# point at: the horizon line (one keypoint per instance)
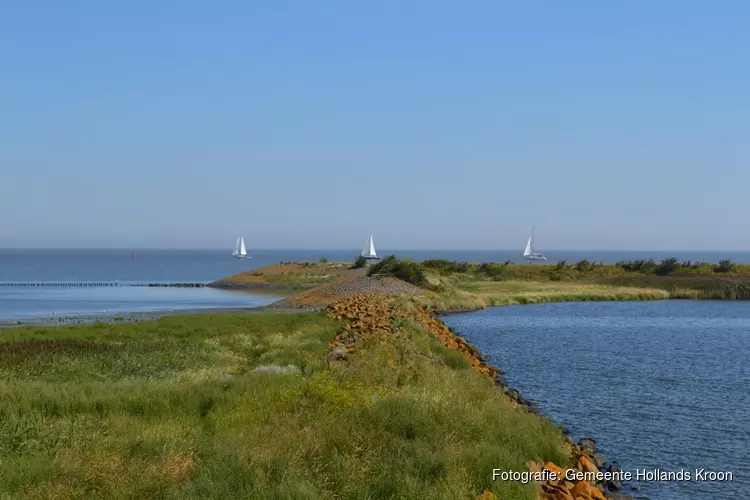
(341, 249)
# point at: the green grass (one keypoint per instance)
(461, 293)
(174, 408)
(565, 271)
(464, 286)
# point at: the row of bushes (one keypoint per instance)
(664, 268)
(672, 265)
(414, 272)
(509, 270)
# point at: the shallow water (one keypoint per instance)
(23, 304)
(660, 385)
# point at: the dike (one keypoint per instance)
(366, 315)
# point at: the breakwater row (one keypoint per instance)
(81, 284)
(67, 284)
(175, 285)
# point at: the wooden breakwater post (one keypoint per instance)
(61, 284)
(79, 284)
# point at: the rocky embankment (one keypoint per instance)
(373, 314)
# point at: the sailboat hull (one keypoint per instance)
(535, 257)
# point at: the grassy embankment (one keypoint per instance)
(183, 408)
(462, 286)
(289, 275)
(457, 286)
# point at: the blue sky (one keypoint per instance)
(431, 124)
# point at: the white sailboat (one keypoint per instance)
(369, 251)
(240, 252)
(529, 253)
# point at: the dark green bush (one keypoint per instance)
(561, 265)
(667, 266)
(584, 265)
(637, 266)
(447, 266)
(491, 270)
(359, 263)
(725, 266)
(403, 269)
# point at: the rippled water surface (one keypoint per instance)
(660, 385)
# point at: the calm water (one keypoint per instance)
(659, 385)
(165, 266)
(19, 304)
(209, 265)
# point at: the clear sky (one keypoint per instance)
(607, 125)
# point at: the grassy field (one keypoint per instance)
(208, 407)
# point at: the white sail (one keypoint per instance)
(530, 253)
(239, 248)
(369, 250)
(529, 247)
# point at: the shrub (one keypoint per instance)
(584, 266)
(490, 270)
(403, 269)
(447, 266)
(725, 266)
(560, 266)
(359, 263)
(667, 266)
(637, 266)
(323, 260)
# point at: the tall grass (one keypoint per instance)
(463, 286)
(177, 408)
(724, 287)
(467, 294)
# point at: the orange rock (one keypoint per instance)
(554, 468)
(557, 492)
(586, 465)
(486, 495)
(583, 490)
